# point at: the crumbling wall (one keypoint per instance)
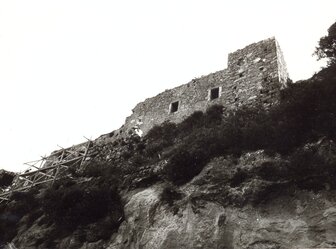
(255, 74)
(191, 96)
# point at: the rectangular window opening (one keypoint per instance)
(214, 93)
(174, 107)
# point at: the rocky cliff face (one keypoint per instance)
(212, 215)
(304, 220)
(232, 203)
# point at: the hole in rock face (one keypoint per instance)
(240, 61)
(174, 107)
(238, 178)
(214, 93)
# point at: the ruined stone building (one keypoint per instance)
(255, 74)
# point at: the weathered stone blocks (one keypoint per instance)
(255, 74)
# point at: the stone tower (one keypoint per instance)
(255, 74)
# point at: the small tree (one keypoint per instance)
(6, 178)
(327, 46)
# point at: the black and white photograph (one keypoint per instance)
(158, 124)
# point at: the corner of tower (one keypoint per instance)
(282, 66)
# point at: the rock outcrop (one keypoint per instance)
(212, 214)
(231, 204)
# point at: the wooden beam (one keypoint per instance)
(26, 179)
(71, 161)
(41, 169)
(72, 152)
(63, 160)
(40, 172)
(2, 196)
(40, 177)
(57, 170)
(86, 152)
(36, 161)
(4, 199)
(27, 187)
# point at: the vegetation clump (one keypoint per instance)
(72, 205)
(6, 178)
(307, 112)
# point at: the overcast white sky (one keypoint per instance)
(74, 68)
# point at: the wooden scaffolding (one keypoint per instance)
(48, 169)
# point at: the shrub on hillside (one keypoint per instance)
(160, 137)
(307, 112)
(96, 168)
(192, 153)
(214, 115)
(23, 202)
(309, 170)
(6, 178)
(184, 164)
(166, 130)
(195, 120)
(77, 205)
(8, 227)
(20, 204)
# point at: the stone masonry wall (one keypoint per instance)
(254, 74)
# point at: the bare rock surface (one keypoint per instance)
(202, 220)
(303, 220)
